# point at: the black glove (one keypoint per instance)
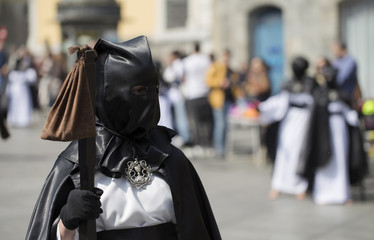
(81, 205)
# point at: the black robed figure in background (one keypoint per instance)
(288, 115)
(149, 189)
(337, 158)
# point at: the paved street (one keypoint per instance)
(237, 190)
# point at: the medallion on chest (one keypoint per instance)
(138, 173)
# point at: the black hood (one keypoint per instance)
(330, 73)
(299, 67)
(127, 87)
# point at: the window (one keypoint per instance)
(176, 13)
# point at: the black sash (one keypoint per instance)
(336, 113)
(166, 231)
(299, 105)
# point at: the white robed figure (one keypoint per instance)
(332, 179)
(331, 183)
(292, 108)
(294, 111)
(20, 101)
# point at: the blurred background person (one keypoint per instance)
(320, 63)
(221, 97)
(320, 130)
(291, 112)
(337, 151)
(44, 71)
(196, 91)
(3, 56)
(3, 82)
(173, 75)
(346, 66)
(29, 60)
(328, 189)
(20, 112)
(58, 73)
(166, 116)
(52, 71)
(257, 82)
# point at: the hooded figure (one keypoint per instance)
(300, 82)
(288, 115)
(127, 87)
(145, 187)
(337, 157)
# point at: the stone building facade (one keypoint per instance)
(277, 30)
(14, 15)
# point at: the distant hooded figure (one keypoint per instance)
(145, 187)
(288, 116)
(20, 113)
(337, 158)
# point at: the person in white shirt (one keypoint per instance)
(196, 92)
(173, 75)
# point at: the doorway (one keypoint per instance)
(266, 42)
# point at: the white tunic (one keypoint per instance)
(166, 118)
(195, 68)
(173, 75)
(125, 206)
(331, 185)
(292, 135)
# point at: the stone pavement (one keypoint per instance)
(237, 190)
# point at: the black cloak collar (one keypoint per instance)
(114, 151)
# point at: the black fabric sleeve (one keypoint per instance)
(52, 197)
(195, 219)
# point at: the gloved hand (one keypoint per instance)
(81, 205)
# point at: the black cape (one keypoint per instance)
(193, 212)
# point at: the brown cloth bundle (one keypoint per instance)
(72, 115)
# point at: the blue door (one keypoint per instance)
(267, 39)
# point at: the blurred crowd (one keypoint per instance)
(198, 92)
(28, 83)
(310, 128)
(314, 136)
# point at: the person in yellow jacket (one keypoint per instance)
(220, 80)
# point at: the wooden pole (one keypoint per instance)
(87, 152)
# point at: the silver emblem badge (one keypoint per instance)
(138, 173)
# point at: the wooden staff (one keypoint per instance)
(87, 151)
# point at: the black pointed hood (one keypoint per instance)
(127, 87)
(299, 67)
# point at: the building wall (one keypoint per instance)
(309, 27)
(13, 15)
(137, 18)
(44, 27)
(357, 31)
(199, 28)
